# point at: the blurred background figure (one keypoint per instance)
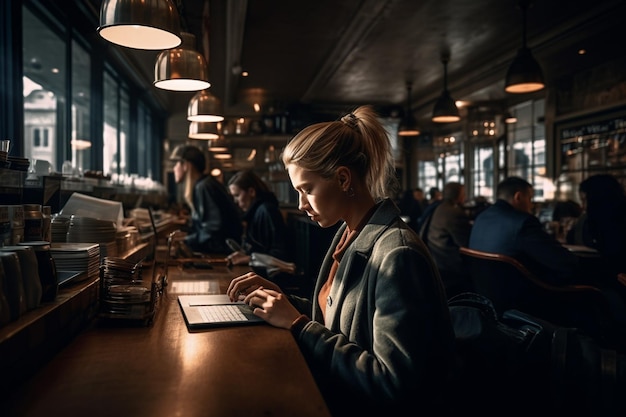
(434, 195)
(214, 215)
(418, 194)
(449, 228)
(410, 208)
(602, 224)
(265, 230)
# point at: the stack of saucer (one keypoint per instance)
(19, 164)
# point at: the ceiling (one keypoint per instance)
(330, 56)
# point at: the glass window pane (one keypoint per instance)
(110, 127)
(81, 95)
(44, 57)
(124, 133)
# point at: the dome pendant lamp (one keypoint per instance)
(182, 68)
(203, 130)
(445, 110)
(204, 107)
(140, 24)
(524, 74)
(408, 126)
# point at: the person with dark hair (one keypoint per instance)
(377, 333)
(214, 215)
(602, 225)
(509, 227)
(410, 208)
(265, 228)
(434, 195)
(447, 230)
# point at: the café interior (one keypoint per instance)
(92, 106)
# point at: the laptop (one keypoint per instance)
(215, 310)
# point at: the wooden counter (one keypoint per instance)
(118, 369)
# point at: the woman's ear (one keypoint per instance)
(344, 176)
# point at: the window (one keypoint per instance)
(45, 86)
(81, 99)
(111, 126)
(527, 144)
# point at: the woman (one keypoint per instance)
(214, 215)
(265, 228)
(602, 224)
(377, 333)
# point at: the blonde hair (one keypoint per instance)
(357, 141)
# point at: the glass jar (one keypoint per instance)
(33, 222)
(47, 269)
(13, 286)
(46, 223)
(16, 215)
(30, 273)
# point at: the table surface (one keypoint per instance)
(165, 370)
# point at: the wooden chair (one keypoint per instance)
(510, 285)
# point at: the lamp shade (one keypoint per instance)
(445, 110)
(203, 130)
(509, 118)
(204, 107)
(182, 68)
(408, 126)
(524, 74)
(140, 24)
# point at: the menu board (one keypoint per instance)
(593, 145)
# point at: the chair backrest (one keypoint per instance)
(509, 284)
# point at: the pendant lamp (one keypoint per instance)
(140, 24)
(203, 130)
(509, 118)
(204, 107)
(524, 74)
(445, 110)
(408, 126)
(182, 68)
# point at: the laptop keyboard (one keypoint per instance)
(190, 287)
(221, 313)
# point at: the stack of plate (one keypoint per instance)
(123, 294)
(59, 225)
(19, 164)
(79, 257)
(119, 271)
(87, 229)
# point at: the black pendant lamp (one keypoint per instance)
(445, 110)
(182, 68)
(408, 125)
(524, 74)
(140, 24)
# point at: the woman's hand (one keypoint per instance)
(245, 284)
(272, 306)
(238, 258)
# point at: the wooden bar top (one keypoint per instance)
(163, 370)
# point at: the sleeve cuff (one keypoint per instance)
(298, 324)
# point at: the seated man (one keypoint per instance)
(448, 229)
(509, 227)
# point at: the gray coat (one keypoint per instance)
(387, 340)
